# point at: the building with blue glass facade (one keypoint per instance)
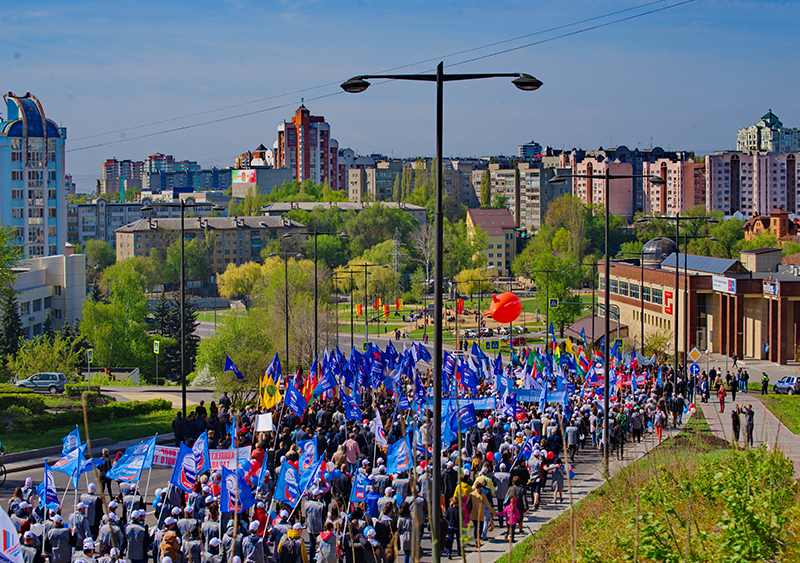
(32, 198)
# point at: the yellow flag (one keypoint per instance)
(569, 347)
(270, 392)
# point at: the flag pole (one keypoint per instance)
(236, 478)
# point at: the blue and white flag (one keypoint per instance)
(274, 369)
(72, 462)
(287, 488)
(326, 383)
(310, 476)
(230, 366)
(351, 409)
(543, 397)
(228, 501)
(377, 428)
(136, 458)
(478, 353)
(399, 457)
(423, 353)
(467, 417)
(308, 453)
(527, 448)
(402, 401)
(10, 551)
(46, 490)
(294, 400)
(184, 475)
(469, 377)
(71, 442)
(418, 445)
(359, 491)
(201, 454)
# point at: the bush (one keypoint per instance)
(10, 388)
(31, 402)
(77, 390)
(16, 411)
(114, 411)
(409, 297)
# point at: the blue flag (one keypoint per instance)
(294, 400)
(467, 416)
(359, 490)
(326, 383)
(46, 490)
(551, 329)
(423, 353)
(399, 456)
(201, 455)
(543, 397)
(351, 409)
(71, 463)
(310, 476)
(287, 488)
(402, 401)
(527, 448)
(228, 501)
(230, 366)
(274, 369)
(184, 475)
(71, 442)
(308, 453)
(469, 378)
(136, 458)
(583, 334)
(478, 353)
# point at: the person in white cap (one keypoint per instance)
(28, 489)
(79, 524)
(292, 548)
(170, 525)
(87, 554)
(187, 524)
(22, 515)
(28, 549)
(132, 501)
(112, 556)
(212, 554)
(387, 500)
(280, 528)
(94, 508)
(315, 517)
(382, 480)
(253, 545)
(57, 542)
(192, 546)
(110, 534)
(138, 537)
(210, 526)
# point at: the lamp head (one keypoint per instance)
(273, 254)
(344, 235)
(217, 208)
(286, 235)
(527, 83)
(355, 85)
(657, 180)
(559, 180)
(147, 207)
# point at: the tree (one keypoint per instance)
(239, 281)
(424, 240)
(569, 213)
(765, 239)
(10, 254)
(96, 294)
(486, 188)
(729, 235)
(500, 201)
(10, 325)
(47, 327)
(161, 317)
(374, 224)
(196, 258)
(462, 249)
(41, 354)
(99, 254)
(473, 281)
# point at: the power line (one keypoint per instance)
(473, 59)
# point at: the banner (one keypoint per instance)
(167, 456)
(480, 403)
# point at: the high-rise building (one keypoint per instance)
(753, 183)
(530, 151)
(685, 187)
(32, 198)
(305, 146)
(769, 135)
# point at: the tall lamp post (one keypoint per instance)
(358, 84)
(183, 205)
(315, 233)
(607, 177)
(286, 294)
(351, 306)
(366, 315)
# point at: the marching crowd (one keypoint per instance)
(494, 473)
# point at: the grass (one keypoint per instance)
(786, 408)
(142, 426)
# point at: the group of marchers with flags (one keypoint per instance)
(334, 462)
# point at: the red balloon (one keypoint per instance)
(423, 463)
(490, 456)
(550, 455)
(491, 421)
(505, 308)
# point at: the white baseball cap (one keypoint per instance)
(57, 519)
(88, 544)
(112, 505)
(169, 520)
(166, 559)
(210, 499)
(214, 541)
(284, 514)
(28, 535)
(176, 510)
(92, 487)
(189, 509)
(24, 504)
(253, 526)
(80, 506)
(298, 526)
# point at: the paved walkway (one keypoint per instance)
(767, 428)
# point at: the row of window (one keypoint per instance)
(627, 289)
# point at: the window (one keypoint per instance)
(24, 308)
(614, 284)
(658, 296)
(646, 293)
(16, 194)
(48, 302)
(16, 175)
(37, 305)
(57, 289)
(623, 288)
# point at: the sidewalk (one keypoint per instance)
(588, 477)
(767, 428)
(754, 368)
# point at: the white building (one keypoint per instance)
(769, 135)
(54, 285)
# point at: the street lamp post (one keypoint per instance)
(358, 84)
(606, 177)
(183, 205)
(351, 308)
(315, 233)
(366, 315)
(286, 295)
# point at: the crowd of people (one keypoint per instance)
(494, 473)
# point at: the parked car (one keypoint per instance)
(515, 341)
(487, 332)
(520, 329)
(51, 382)
(789, 385)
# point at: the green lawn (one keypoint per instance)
(786, 408)
(123, 429)
(209, 315)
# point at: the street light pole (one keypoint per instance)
(357, 84)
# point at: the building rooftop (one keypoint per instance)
(586, 324)
(26, 118)
(212, 223)
(705, 265)
(492, 221)
(761, 250)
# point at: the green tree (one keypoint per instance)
(47, 327)
(473, 282)
(160, 318)
(765, 239)
(10, 254)
(196, 259)
(11, 325)
(374, 224)
(462, 250)
(99, 254)
(500, 201)
(729, 235)
(239, 281)
(43, 354)
(486, 189)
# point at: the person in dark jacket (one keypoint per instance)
(178, 429)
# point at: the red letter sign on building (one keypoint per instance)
(668, 302)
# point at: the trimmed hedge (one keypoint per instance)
(30, 401)
(6, 388)
(113, 411)
(77, 389)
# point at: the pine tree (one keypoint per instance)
(10, 325)
(161, 316)
(96, 294)
(47, 328)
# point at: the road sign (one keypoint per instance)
(618, 342)
(553, 303)
(155, 346)
(89, 353)
(366, 346)
(695, 355)
(694, 369)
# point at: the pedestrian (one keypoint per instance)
(735, 359)
(734, 386)
(659, 422)
(764, 382)
(453, 529)
(556, 473)
(292, 548)
(512, 518)
(178, 429)
(721, 394)
(735, 423)
(475, 505)
(749, 416)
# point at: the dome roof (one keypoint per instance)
(658, 249)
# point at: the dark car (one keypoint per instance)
(51, 382)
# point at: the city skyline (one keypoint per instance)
(106, 76)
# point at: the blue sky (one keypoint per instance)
(683, 78)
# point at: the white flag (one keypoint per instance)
(377, 429)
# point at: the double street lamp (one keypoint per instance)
(183, 205)
(285, 255)
(366, 267)
(358, 84)
(607, 177)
